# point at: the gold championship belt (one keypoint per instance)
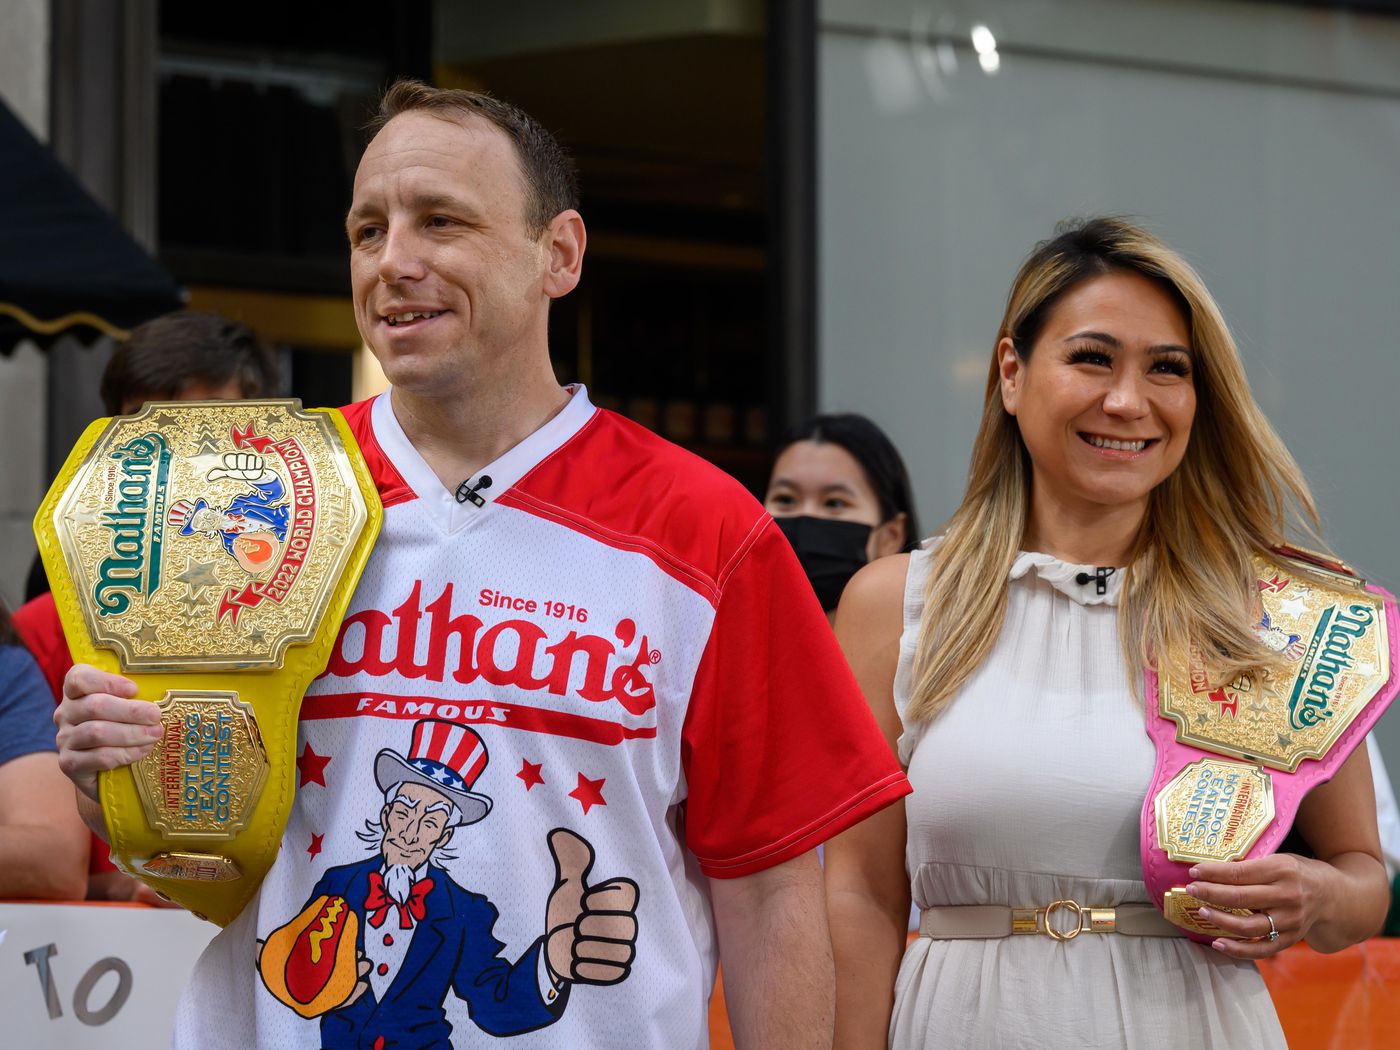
(1235, 761)
(207, 551)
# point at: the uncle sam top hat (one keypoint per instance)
(444, 756)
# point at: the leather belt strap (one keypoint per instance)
(1061, 920)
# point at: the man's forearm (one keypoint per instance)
(34, 864)
(779, 982)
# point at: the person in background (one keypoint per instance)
(43, 842)
(1118, 431)
(841, 495)
(185, 356)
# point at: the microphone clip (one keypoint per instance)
(469, 493)
(1099, 576)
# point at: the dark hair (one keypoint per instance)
(1082, 249)
(551, 183)
(875, 452)
(164, 357)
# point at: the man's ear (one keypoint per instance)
(564, 240)
(1012, 371)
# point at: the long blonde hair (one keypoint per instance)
(1189, 586)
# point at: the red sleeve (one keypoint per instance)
(780, 750)
(39, 627)
(42, 633)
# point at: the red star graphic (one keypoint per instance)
(530, 773)
(589, 793)
(312, 767)
(1227, 701)
(315, 846)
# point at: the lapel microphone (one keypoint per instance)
(1099, 576)
(466, 491)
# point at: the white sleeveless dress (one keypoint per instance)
(1027, 789)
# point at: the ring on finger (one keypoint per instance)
(1273, 930)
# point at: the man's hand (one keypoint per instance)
(592, 934)
(245, 466)
(101, 727)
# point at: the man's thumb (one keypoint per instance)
(573, 858)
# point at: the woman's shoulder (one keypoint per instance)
(878, 584)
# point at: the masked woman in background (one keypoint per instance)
(841, 495)
(1007, 661)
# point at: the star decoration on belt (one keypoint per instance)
(312, 767)
(208, 441)
(197, 575)
(1293, 606)
(164, 419)
(589, 792)
(530, 773)
(146, 634)
(84, 515)
(315, 846)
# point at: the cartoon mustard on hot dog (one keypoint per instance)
(430, 934)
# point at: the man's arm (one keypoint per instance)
(779, 983)
(43, 844)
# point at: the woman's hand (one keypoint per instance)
(1283, 887)
(1331, 902)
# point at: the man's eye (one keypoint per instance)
(366, 233)
(439, 222)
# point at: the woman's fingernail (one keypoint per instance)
(1218, 945)
(1191, 888)
(1195, 873)
(1204, 913)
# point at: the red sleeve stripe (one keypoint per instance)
(849, 813)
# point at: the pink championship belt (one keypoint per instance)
(1234, 762)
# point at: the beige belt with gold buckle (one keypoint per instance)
(1061, 920)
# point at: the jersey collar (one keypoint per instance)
(504, 471)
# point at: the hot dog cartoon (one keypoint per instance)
(380, 943)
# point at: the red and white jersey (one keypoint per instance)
(618, 642)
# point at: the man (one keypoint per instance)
(396, 982)
(620, 623)
(186, 356)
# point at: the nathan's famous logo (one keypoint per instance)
(1328, 658)
(267, 533)
(139, 477)
(511, 652)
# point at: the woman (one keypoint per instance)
(841, 495)
(1118, 433)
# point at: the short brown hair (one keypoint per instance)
(165, 356)
(551, 183)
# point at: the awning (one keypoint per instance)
(66, 265)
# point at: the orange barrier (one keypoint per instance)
(720, 1036)
(1348, 1000)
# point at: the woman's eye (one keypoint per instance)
(1172, 366)
(1089, 356)
(780, 499)
(836, 503)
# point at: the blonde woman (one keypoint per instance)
(1005, 663)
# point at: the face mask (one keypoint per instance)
(830, 551)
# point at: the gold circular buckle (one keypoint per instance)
(1073, 932)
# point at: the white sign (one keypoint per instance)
(94, 975)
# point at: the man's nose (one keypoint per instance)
(401, 258)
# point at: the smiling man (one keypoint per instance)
(659, 693)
